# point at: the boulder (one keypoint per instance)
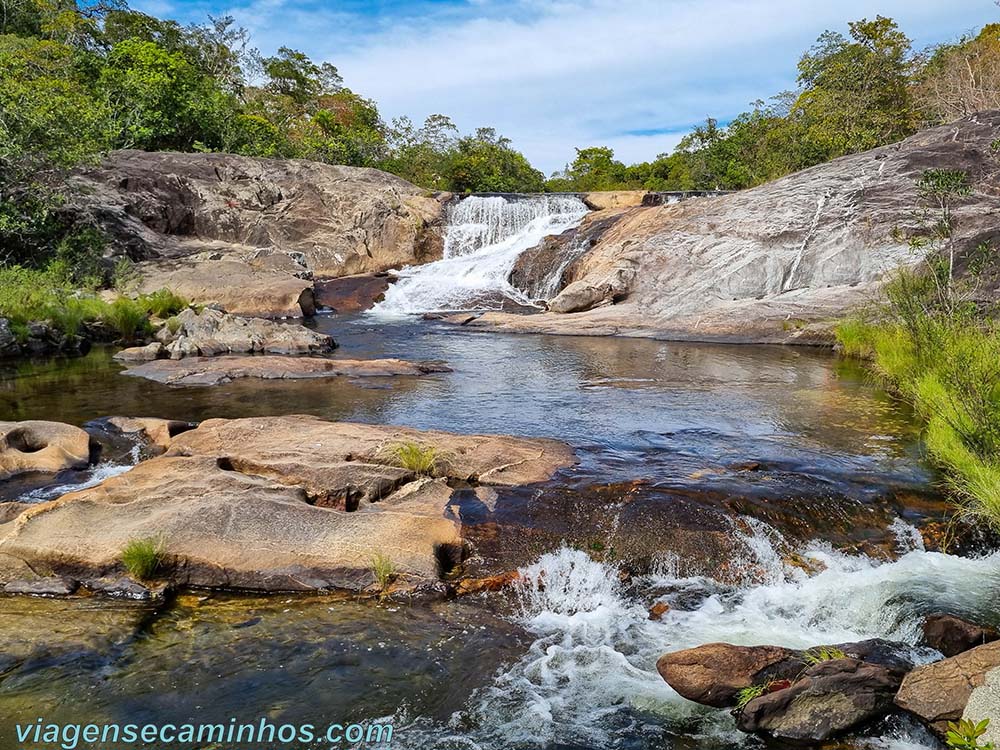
(151, 351)
(9, 345)
(591, 292)
(42, 446)
(938, 693)
(713, 674)
(352, 293)
(279, 503)
(203, 371)
(212, 332)
(154, 431)
(51, 586)
(829, 699)
(952, 635)
(247, 233)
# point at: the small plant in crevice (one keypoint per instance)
(384, 571)
(822, 653)
(965, 734)
(415, 457)
(747, 694)
(143, 558)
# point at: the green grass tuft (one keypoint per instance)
(142, 558)
(821, 654)
(415, 457)
(384, 571)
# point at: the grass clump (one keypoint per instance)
(143, 558)
(822, 653)
(747, 694)
(383, 570)
(163, 303)
(415, 457)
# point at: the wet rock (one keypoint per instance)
(153, 430)
(658, 610)
(938, 693)
(52, 586)
(828, 700)
(42, 446)
(952, 635)
(352, 293)
(122, 587)
(714, 674)
(205, 371)
(211, 332)
(238, 505)
(468, 586)
(151, 351)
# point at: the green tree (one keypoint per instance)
(485, 162)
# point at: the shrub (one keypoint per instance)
(163, 303)
(142, 558)
(128, 318)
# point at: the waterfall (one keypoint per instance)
(484, 236)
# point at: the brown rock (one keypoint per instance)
(658, 610)
(713, 674)
(41, 446)
(952, 635)
(218, 370)
(830, 699)
(145, 353)
(157, 432)
(605, 199)
(938, 693)
(11, 510)
(468, 586)
(352, 293)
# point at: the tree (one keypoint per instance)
(962, 78)
(292, 74)
(485, 162)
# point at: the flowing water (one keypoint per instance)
(767, 494)
(483, 239)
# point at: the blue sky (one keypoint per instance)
(631, 74)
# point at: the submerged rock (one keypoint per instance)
(828, 699)
(219, 370)
(42, 446)
(952, 635)
(938, 693)
(280, 503)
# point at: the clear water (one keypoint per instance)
(834, 470)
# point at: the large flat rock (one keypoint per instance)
(219, 370)
(281, 503)
(776, 263)
(41, 446)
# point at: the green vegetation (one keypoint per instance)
(143, 558)
(415, 457)
(50, 297)
(937, 344)
(383, 570)
(822, 653)
(744, 696)
(965, 734)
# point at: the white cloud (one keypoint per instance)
(554, 75)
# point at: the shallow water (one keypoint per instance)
(794, 446)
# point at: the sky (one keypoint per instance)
(635, 75)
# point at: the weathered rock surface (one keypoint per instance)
(220, 370)
(281, 503)
(713, 674)
(938, 693)
(984, 703)
(952, 635)
(829, 699)
(352, 293)
(9, 345)
(604, 199)
(155, 431)
(41, 446)
(774, 263)
(224, 220)
(210, 332)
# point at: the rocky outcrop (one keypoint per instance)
(715, 673)
(984, 703)
(42, 446)
(218, 370)
(247, 233)
(280, 503)
(774, 263)
(938, 693)
(952, 635)
(210, 332)
(828, 699)
(154, 431)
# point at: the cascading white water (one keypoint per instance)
(483, 238)
(589, 676)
